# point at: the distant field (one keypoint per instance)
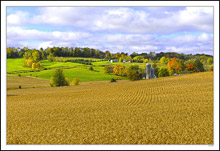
(169, 110)
(16, 64)
(83, 73)
(49, 64)
(95, 59)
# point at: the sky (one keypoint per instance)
(187, 30)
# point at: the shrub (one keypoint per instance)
(108, 69)
(67, 81)
(19, 86)
(51, 82)
(58, 78)
(211, 68)
(91, 68)
(132, 75)
(19, 74)
(113, 80)
(75, 81)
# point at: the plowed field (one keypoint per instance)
(170, 110)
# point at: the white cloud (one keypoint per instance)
(204, 37)
(121, 19)
(115, 28)
(18, 33)
(201, 18)
(18, 18)
(45, 44)
(124, 39)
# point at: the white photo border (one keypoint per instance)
(4, 5)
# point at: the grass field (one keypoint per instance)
(82, 72)
(16, 64)
(48, 64)
(170, 110)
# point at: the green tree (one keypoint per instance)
(163, 60)
(163, 72)
(120, 59)
(210, 61)
(50, 57)
(58, 79)
(199, 65)
(146, 60)
(108, 69)
(137, 58)
(132, 75)
(36, 56)
(135, 73)
(129, 58)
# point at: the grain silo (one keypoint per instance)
(152, 73)
(148, 71)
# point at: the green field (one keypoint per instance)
(83, 73)
(78, 70)
(48, 64)
(16, 64)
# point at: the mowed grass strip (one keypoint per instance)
(170, 110)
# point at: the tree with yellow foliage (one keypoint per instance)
(119, 70)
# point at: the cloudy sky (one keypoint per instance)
(117, 29)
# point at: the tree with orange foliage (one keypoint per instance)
(119, 70)
(174, 65)
(192, 68)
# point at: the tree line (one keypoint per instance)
(86, 52)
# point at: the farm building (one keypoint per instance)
(113, 60)
(149, 71)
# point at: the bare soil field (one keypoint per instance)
(169, 110)
(26, 82)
